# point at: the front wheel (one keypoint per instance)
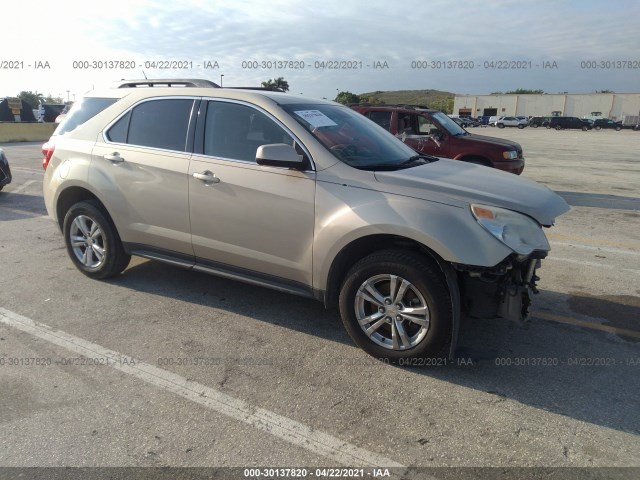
(93, 242)
(500, 125)
(521, 126)
(396, 305)
(584, 129)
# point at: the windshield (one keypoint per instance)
(452, 127)
(352, 138)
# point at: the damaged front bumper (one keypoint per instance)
(504, 290)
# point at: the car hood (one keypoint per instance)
(472, 137)
(471, 183)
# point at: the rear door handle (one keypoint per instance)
(206, 176)
(114, 157)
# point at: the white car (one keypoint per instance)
(512, 122)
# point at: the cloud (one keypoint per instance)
(230, 33)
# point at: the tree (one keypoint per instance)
(445, 105)
(33, 99)
(51, 99)
(521, 91)
(278, 83)
(347, 97)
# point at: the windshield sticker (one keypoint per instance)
(316, 118)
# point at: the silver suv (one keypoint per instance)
(300, 195)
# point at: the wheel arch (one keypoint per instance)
(72, 195)
(364, 246)
(361, 247)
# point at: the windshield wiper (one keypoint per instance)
(404, 164)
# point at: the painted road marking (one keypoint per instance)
(30, 170)
(595, 247)
(594, 264)
(22, 187)
(583, 323)
(295, 433)
(564, 239)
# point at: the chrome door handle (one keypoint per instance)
(206, 176)
(114, 157)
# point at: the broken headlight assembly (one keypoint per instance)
(520, 233)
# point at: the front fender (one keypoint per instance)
(345, 214)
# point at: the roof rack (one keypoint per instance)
(167, 82)
(268, 89)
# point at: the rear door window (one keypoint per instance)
(156, 123)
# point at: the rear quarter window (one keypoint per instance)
(82, 111)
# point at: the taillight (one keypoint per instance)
(47, 151)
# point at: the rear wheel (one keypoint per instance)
(396, 305)
(618, 128)
(93, 242)
(585, 128)
(558, 127)
(501, 125)
(597, 128)
(520, 126)
(535, 125)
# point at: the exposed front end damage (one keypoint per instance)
(504, 290)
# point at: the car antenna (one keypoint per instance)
(143, 74)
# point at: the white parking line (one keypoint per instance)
(594, 247)
(594, 264)
(23, 187)
(296, 433)
(30, 170)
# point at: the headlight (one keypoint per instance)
(510, 155)
(517, 231)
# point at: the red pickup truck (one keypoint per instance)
(434, 133)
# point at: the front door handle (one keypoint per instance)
(114, 157)
(206, 176)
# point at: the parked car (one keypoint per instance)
(524, 119)
(301, 195)
(5, 171)
(492, 121)
(434, 133)
(607, 123)
(561, 123)
(536, 122)
(511, 122)
(466, 122)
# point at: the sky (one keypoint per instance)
(65, 48)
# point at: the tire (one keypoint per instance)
(597, 128)
(500, 125)
(618, 129)
(419, 285)
(584, 129)
(535, 125)
(558, 127)
(520, 126)
(96, 249)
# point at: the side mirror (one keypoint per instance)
(435, 133)
(279, 155)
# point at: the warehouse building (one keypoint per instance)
(612, 105)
